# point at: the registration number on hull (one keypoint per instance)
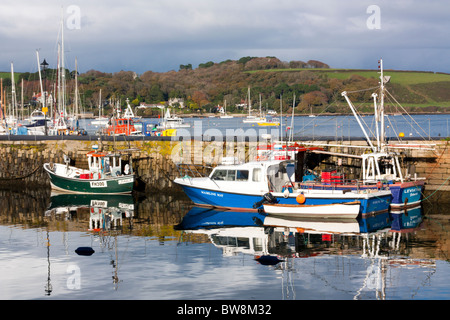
(98, 184)
(129, 180)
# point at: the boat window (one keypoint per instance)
(257, 244)
(231, 175)
(224, 241)
(241, 175)
(256, 174)
(219, 175)
(243, 242)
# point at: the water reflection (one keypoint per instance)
(278, 241)
(347, 259)
(259, 234)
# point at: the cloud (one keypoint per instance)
(160, 35)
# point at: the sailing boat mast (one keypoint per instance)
(13, 111)
(75, 113)
(63, 71)
(249, 102)
(382, 89)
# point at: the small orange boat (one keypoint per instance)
(121, 127)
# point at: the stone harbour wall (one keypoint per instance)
(154, 162)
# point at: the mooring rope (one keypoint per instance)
(20, 177)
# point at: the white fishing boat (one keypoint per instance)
(334, 210)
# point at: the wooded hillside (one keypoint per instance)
(316, 87)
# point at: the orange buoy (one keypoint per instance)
(300, 198)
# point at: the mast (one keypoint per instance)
(292, 121)
(382, 131)
(100, 111)
(2, 111)
(260, 111)
(21, 98)
(281, 118)
(75, 113)
(13, 111)
(58, 68)
(63, 71)
(377, 119)
(249, 102)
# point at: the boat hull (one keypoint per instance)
(110, 185)
(406, 194)
(369, 202)
(337, 210)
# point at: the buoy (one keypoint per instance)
(401, 134)
(268, 260)
(84, 251)
(300, 198)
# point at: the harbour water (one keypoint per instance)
(160, 247)
(316, 128)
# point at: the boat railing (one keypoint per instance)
(193, 170)
(343, 184)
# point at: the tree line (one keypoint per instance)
(211, 84)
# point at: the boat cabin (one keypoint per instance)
(261, 175)
(106, 164)
(121, 127)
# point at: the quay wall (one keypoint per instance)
(154, 161)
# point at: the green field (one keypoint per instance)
(399, 77)
(414, 88)
(7, 75)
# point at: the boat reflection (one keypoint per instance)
(233, 232)
(106, 212)
(280, 241)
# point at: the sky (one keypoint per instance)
(160, 35)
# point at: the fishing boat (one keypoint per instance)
(334, 210)
(246, 186)
(380, 165)
(121, 127)
(103, 176)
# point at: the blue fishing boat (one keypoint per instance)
(249, 185)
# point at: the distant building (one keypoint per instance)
(146, 105)
(173, 101)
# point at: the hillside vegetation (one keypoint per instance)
(315, 86)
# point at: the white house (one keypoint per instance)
(180, 101)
